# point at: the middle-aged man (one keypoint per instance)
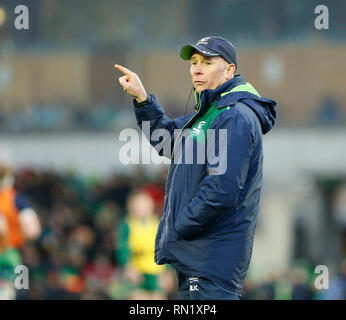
(207, 230)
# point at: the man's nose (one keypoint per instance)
(197, 69)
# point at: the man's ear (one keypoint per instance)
(230, 70)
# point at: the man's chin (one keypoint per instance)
(199, 89)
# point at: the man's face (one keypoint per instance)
(209, 72)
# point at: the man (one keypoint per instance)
(18, 223)
(210, 213)
(135, 246)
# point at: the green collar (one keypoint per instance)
(243, 87)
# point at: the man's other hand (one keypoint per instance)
(132, 84)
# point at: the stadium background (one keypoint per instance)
(61, 112)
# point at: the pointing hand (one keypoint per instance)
(132, 84)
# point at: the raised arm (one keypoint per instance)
(151, 115)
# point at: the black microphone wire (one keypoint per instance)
(187, 103)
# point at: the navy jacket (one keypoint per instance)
(211, 208)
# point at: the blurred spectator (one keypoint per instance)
(268, 287)
(135, 247)
(337, 288)
(329, 112)
(301, 289)
(19, 223)
(340, 206)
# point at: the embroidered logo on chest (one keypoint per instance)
(197, 130)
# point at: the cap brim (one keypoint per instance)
(186, 51)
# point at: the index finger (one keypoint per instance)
(122, 69)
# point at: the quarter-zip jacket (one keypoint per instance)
(211, 208)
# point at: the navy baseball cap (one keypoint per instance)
(211, 47)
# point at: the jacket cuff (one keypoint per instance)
(150, 111)
(140, 104)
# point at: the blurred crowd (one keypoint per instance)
(64, 115)
(114, 115)
(299, 282)
(86, 249)
(78, 253)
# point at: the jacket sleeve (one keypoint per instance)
(157, 126)
(221, 187)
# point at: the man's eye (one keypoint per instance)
(194, 63)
